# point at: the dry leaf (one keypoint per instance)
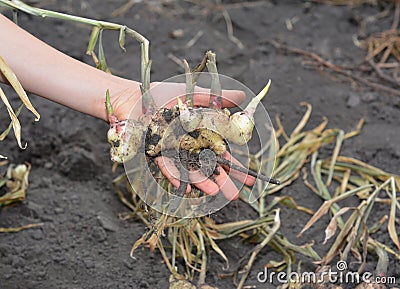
(331, 229)
(14, 119)
(392, 217)
(12, 79)
(10, 126)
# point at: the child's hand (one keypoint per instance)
(127, 102)
(127, 105)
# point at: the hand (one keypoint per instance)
(165, 95)
(222, 182)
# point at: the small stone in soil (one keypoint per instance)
(48, 165)
(369, 97)
(59, 210)
(46, 182)
(75, 199)
(128, 264)
(89, 263)
(37, 234)
(58, 258)
(353, 100)
(18, 262)
(99, 234)
(106, 223)
(41, 274)
(7, 276)
(144, 284)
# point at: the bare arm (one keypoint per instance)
(47, 72)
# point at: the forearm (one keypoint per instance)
(49, 73)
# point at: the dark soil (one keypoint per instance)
(83, 243)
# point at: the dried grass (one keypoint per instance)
(15, 124)
(352, 3)
(15, 184)
(15, 181)
(184, 240)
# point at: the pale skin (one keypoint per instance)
(49, 73)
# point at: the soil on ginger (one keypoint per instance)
(83, 243)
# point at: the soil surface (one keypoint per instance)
(83, 243)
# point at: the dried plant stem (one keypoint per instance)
(190, 85)
(232, 166)
(229, 27)
(396, 17)
(123, 9)
(337, 69)
(192, 77)
(194, 40)
(199, 68)
(259, 247)
(14, 119)
(18, 229)
(203, 270)
(216, 90)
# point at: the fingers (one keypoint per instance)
(230, 98)
(222, 182)
(170, 171)
(203, 183)
(165, 94)
(226, 185)
(241, 177)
